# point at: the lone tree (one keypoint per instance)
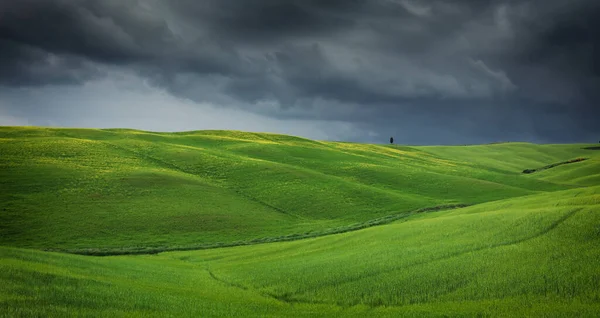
(391, 140)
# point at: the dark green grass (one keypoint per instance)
(128, 190)
(554, 165)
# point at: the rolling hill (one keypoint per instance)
(527, 244)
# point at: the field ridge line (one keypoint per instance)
(284, 238)
(529, 171)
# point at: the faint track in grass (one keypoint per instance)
(286, 297)
(228, 283)
(552, 226)
(285, 238)
(289, 296)
(171, 166)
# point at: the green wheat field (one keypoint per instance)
(118, 222)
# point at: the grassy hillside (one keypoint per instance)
(126, 190)
(377, 230)
(531, 256)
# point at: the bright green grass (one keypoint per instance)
(537, 255)
(580, 173)
(124, 190)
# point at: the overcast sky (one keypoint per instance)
(425, 72)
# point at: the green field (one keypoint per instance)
(244, 224)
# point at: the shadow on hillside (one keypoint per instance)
(527, 171)
(592, 148)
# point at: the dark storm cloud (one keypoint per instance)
(563, 53)
(26, 65)
(269, 20)
(482, 70)
(112, 32)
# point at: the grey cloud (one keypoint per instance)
(506, 84)
(26, 65)
(487, 68)
(416, 9)
(107, 31)
(110, 32)
(269, 20)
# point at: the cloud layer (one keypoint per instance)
(423, 71)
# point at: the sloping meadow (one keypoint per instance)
(352, 229)
(537, 255)
(123, 191)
